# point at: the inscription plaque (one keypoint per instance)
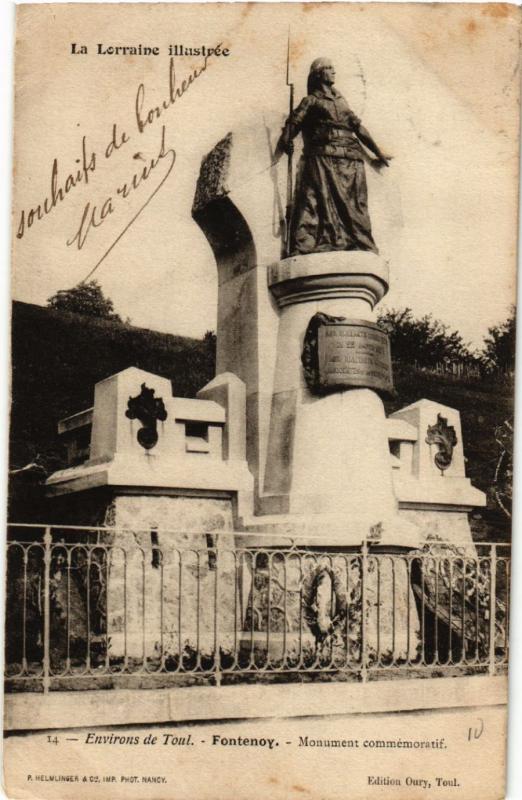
(354, 353)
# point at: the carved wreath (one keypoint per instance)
(148, 409)
(444, 437)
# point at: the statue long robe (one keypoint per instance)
(330, 207)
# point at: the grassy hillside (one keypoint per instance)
(58, 357)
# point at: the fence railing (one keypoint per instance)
(105, 607)
(457, 370)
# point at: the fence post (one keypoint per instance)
(492, 607)
(47, 609)
(217, 646)
(364, 646)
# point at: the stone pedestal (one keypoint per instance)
(327, 454)
(172, 507)
(165, 590)
(437, 500)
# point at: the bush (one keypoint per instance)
(499, 345)
(86, 298)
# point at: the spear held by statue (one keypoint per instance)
(289, 177)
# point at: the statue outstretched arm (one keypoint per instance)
(364, 136)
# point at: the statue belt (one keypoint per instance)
(352, 151)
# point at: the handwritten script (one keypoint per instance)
(152, 171)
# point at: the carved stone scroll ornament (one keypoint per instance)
(444, 437)
(310, 354)
(148, 409)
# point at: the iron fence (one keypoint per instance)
(105, 607)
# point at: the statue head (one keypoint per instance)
(321, 71)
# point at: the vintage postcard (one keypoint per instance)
(263, 344)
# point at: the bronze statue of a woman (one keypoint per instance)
(330, 205)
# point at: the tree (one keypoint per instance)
(499, 345)
(85, 298)
(425, 341)
(210, 340)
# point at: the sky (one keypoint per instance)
(437, 92)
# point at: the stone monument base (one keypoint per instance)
(332, 529)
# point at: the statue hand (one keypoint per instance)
(382, 161)
(277, 155)
(283, 147)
